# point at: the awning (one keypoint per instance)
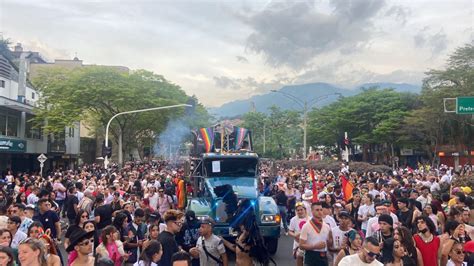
(18, 106)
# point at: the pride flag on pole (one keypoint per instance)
(207, 135)
(240, 134)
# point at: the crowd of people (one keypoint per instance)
(136, 215)
(405, 217)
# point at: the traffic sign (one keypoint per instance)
(465, 105)
(42, 158)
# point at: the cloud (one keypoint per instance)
(46, 51)
(242, 59)
(226, 83)
(251, 85)
(400, 13)
(293, 33)
(437, 42)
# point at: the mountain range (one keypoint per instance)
(308, 92)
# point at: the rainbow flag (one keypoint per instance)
(240, 134)
(207, 135)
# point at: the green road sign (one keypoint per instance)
(465, 105)
(12, 145)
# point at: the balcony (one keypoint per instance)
(56, 147)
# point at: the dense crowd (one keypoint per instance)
(136, 215)
(405, 217)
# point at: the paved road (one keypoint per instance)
(284, 255)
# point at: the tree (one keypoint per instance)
(371, 119)
(95, 94)
(429, 125)
(282, 131)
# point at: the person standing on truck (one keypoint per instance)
(209, 248)
(281, 201)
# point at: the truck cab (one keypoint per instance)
(239, 169)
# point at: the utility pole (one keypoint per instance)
(305, 105)
(264, 138)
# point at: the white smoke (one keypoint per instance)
(171, 143)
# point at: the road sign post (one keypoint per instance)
(42, 158)
(465, 105)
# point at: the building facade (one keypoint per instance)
(20, 142)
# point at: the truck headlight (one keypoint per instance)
(202, 217)
(271, 218)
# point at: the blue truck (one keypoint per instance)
(223, 165)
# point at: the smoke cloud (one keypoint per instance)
(170, 144)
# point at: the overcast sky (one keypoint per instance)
(226, 50)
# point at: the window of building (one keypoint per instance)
(71, 132)
(12, 126)
(9, 125)
(31, 131)
(3, 125)
(2, 83)
(33, 95)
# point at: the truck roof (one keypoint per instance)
(242, 154)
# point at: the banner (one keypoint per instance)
(207, 135)
(240, 134)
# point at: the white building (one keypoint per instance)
(20, 143)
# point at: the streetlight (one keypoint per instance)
(106, 159)
(305, 105)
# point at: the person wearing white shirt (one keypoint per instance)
(367, 255)
(446, 178)
(424, 198)
(18, 236)
(315, 237)
(366, 211)
(339, 235)
(32, 199)
(456, 255)
(294, 230)
(373, 223)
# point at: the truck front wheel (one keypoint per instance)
(272, 244)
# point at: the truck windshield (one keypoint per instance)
(231, 167)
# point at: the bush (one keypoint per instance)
(359, 167)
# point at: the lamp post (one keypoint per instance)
(305, 105)
(106, 159)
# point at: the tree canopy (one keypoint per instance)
(95, 94)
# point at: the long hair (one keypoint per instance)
(429, 223)
(6, 231)
(387, 250)
(78, 216)
(36, 244)
(107, 231)
(9, 252)
(245, 216)
(52, 248)
(147, 255)
(406, 238)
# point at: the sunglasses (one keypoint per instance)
(458, 252)
(178, 223)
(371, 254)
(87, 242)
